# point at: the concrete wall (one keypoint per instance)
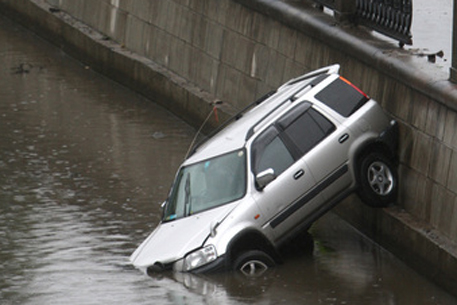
(236, 50)
(220, 46)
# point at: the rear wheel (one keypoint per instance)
(378, 180)
(253, 263)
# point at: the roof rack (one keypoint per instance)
(326, 70)
(293, 97)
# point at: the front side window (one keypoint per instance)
(207, 184)
(269, 151)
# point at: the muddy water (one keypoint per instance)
(84, 165)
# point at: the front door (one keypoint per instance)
(278, 201)
(292, 198)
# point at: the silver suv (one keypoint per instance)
(272, 171)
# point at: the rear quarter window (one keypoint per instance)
(342, 96)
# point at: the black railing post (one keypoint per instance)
(453, 71)
(345, 10)
(389, 17)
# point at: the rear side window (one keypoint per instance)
(343, 97)
(306, 130)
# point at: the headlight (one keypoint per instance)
(200, 257)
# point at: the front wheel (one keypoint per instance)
(378, 180)
(253, 263)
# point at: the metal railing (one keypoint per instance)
(389, 17)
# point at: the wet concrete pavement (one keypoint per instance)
(432, 28)
(432, 32)
(84, 165)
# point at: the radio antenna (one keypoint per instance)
(213, 110)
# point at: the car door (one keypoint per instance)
(328, 161)
(288, 200)
(324, 147)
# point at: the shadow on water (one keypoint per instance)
(84, 164)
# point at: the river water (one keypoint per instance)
(84, 165)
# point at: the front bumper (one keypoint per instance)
(218, 265)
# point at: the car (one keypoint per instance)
(271, 171)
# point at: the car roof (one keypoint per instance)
(241, 127)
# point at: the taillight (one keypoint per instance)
(355, 87)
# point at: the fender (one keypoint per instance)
(250, 239)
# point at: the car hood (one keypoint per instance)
(171, 241)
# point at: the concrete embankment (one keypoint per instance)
(186, 54)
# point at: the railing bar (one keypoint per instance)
(389, 17)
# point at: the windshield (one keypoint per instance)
(206, 185)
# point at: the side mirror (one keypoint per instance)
(264, 178)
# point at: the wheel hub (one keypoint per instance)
(254, 268)
(380, 178)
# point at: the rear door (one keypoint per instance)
(329, 162)
(323, 147)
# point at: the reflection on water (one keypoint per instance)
(84, 164)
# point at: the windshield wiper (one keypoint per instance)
(187, 197)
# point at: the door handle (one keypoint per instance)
(343, 138)
(298, 174)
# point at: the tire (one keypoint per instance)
(253, 263)
(378, 180)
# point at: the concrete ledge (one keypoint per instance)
(413, 241)
(357, 43)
